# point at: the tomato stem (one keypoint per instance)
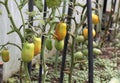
(2, 3)
(72, 60)
(8, 43)
(56, 61)
(21, 18)
(12, 21)
(43, 61)
(27, 73)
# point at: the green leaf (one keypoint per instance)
(33, 13)
(53, 3)
(38, 4)
(22, 3)
(0, 12)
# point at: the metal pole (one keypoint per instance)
(30, 8)
(104, 6)
(70, 11)
(41, 56)
(90, 42)
(104, 14)
(114, 5)
(1, 72)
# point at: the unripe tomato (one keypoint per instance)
(115, 80)
(78, 56)
(5, 55)
(80, 38)
(37, 44)
(27, 52)
(97, 51)
(95, 44)
(49, 44)
(59, 45)
(84, 46)
(85, 52)
(60, 31)
(85, 33)
(95, 19)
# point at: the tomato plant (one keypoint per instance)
(50, 31)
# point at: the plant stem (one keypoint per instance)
(72, 60)
(73, 45)
(20, 74)
(64, 9)
(43, 60)
(21, 18)
(12, 21)
(8, 43)
(56, 61)
(107, 26)
(27, 73)
(2, 3)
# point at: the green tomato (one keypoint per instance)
(27, 52)
(59, 45)
(97, 51)
(84, 46)
(5, 55)
(85, 52)
(49, 44)
(78, 56)
(95, 44)
(80, 38)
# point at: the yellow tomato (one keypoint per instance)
(85, 32)
(60, 31)
(95, 19)
(37, 44)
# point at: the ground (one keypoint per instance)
(106, 66)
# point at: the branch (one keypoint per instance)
(2, 3)
(13, 44)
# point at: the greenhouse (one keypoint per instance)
(60, 41)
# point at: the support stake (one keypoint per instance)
(70, 12)
(1, 72)
(41, 56)
(90, 42)
(30, 7)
